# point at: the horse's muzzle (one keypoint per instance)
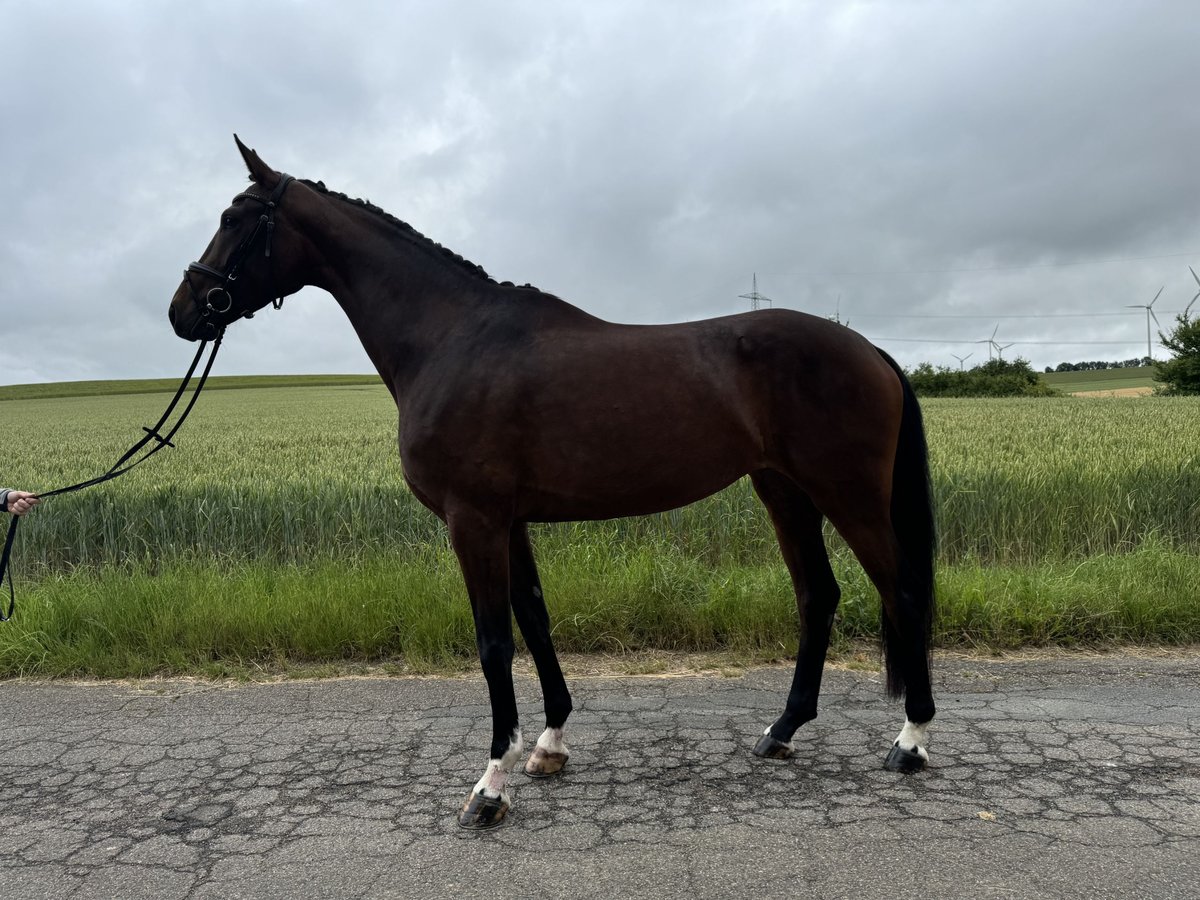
(192, 327)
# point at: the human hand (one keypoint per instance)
(21, 502)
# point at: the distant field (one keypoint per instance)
(1067, 382)
(160, 385)
(1101, 380)
(280, 530)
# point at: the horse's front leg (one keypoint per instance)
(482, 545)
(529, 606)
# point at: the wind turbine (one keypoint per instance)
(1000, 348)
(1197, 297)
(1149, 308)
(963, 359)
(991, 342)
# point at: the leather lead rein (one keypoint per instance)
(122, 465)
(264, 228)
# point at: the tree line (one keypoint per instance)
(1178, 375)
(1099, 365)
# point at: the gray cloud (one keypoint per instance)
(640, 160)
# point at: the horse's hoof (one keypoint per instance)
(481, 812)
(770, 748)
(544, 763)
(901, 760)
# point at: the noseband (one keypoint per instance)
(218, 300)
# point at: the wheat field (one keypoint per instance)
(293, 474)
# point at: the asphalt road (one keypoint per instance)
(1054, 778)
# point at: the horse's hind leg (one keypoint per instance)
(529, 607)
(798, 527)
(906, 630)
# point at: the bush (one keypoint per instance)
(1180, 375)
(994, 378)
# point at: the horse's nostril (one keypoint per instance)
(171, 314)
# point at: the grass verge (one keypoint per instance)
(247, 618)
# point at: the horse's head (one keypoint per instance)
(251, 260)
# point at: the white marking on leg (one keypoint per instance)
(913, 738)
(494, 782)
(552, 741)
(791, 745)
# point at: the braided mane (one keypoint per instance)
(411, 233)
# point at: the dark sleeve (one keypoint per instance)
(4, 499)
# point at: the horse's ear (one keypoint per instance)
(260, 172)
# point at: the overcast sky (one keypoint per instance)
(931, 170)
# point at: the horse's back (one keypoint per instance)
(596, 420)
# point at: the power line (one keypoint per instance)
(966, 341)
(1060, 265)
(988, 317)
(1079, 343)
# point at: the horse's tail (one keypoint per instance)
(916, 532)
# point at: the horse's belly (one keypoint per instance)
(624, 479)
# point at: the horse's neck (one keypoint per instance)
(402, 300)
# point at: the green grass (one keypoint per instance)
(1101, 379)
(226, 619)
(280, 532)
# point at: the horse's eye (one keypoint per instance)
(227, 222)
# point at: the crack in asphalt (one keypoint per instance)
(349, 788)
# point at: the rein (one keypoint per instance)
(122, 465)
(216, 301)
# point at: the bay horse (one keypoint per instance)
(517, 407)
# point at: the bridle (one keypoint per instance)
(218, 300)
